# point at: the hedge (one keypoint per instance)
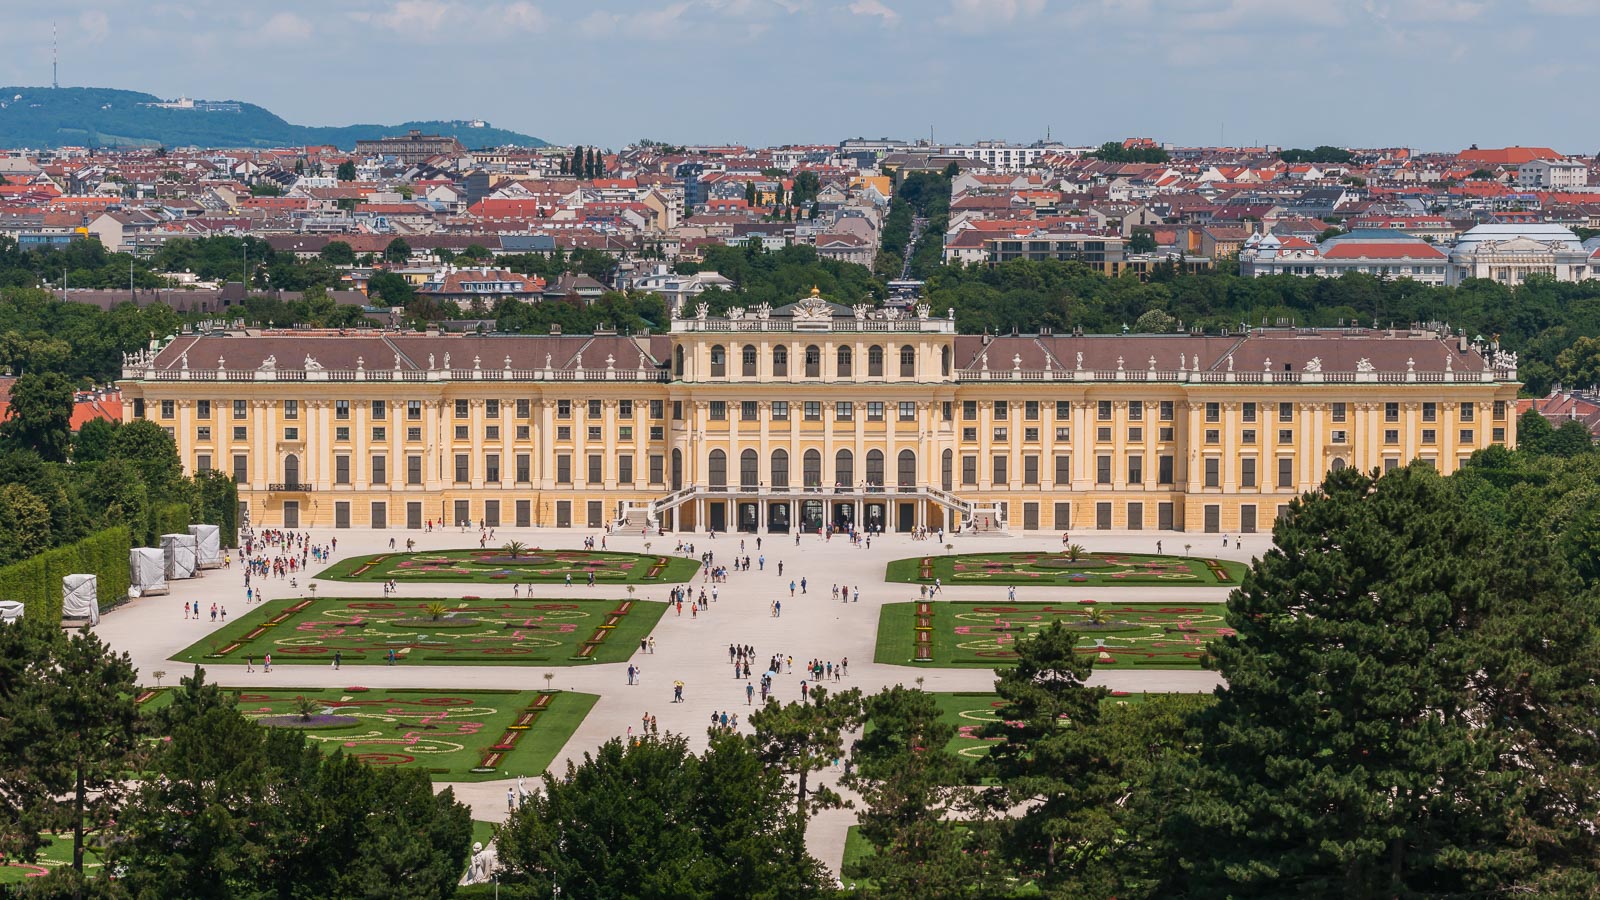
(171, 518)
(36, 581)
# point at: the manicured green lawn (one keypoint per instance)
(970, 713)
(984, 635)
(1055, 569)
(447, 733)
(57, 854)
(494, 566)
(471, 631)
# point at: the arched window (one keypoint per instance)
(813, 361)
(291, 469)
(1338, 463)
(748, 361)
(717, 471)
(908, 361)
(908, 468)
(677, 361)
(811, 468)
(780, 468)
(947, 470)
(780, 361)
(749, 469)
(875, 468)
(944, 360)
(844, 362)
(719, 361)
(844, 469)
(677, 469)
(874, 361)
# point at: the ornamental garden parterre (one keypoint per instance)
(1070, 568)
(495, 566)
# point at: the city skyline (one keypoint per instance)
(761, 72)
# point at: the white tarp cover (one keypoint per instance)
(80, 598)
(208, 549)
(10, 610)
(179, 552)
(147, 571)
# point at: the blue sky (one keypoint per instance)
(1433, 74)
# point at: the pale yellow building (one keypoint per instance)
(812, 413)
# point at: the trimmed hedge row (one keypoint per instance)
(36, 581)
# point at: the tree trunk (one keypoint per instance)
(77, 833)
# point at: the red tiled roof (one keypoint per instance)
(1382, 250)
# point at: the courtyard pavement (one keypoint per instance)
(693, 650)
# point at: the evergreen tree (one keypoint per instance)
(802, 738)
(346, 171)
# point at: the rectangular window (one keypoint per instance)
(1002, 409)
(491, 468)
(1391, 412)
(413, 470)
(1391, 436)
(1030, 410)
(748, 410)
(563, 468)
(491, 513)
(1164, 469)
(524, 513)
(380, 409)
(1285, 471)
(1063, 469)
(1103, 410)
(625, 468)
(1063, 516)
(380, 470)
(1430, 436)
(342, 433)
(1136, 469)
(1136, 410)
(1064, 433)
(1247, 436)
(463, 468)
(1213, 412)
(1247, 518)
(813, 410)
(1102, 434)
(1213, 472)
(413, 434)
(1338, 436)
(624, 432)
(1430, 412)
(1466, 436)
(595, 474)
(491, 409)
(241, 468)
(341, 409)
(1135, 435)
(946, 411)
(874, 411)
(563, 409)
(461, 409)
(491, 432)
(1285, 412)
(341, 469)
(202, 463)
(677, 410)
(239, 410)
(594, 409)
(1247, 412)
(969, 470)
(203, 433)
(1135, 516)
(1000, 434)
(1030, 470)
(969, 410)
(1102, 470)
(844, 411)
(169, 409)
(525, 408)
(461, 432)
(524, 468)
(413, 410)
(1337, 413)
(1030, 434)
(1166, 410)
(1063, 409)
(593, 432)
(1102, 516)
(969, 434)
(1466, 412)
(1001, 476)
(908, 410)
(523, 432)
(657, 468)
(291, 409)
(239, 432)
(780, 410)
(1285, 435)
(291, 434)
(719, 410)
(1213, 436)
(202, 409)
(1247, 472)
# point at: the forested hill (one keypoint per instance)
(103, 117)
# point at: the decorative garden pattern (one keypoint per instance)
(971, 713)
(465, 631)
(1062, 569)
(1116, 635)
(474, 735)
(496, 565)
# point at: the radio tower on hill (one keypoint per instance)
(55, 81)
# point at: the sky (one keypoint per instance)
(1427, 74)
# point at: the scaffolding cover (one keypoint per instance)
(179, 551)
(147, 571)
(80, 598)
(208, 549)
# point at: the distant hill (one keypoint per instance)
(103, 117)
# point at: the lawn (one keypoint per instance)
(1117, 635)
(474, 735)
(533, 566)
(1045, 569)
(467, 631)
(55, 855)
(970, 712)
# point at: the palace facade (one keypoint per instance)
(768, 420)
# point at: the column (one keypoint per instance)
(545, 444)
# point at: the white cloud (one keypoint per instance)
(285, 26)
(409, 15)
(524, 16)
(979, 15)
(875, 8)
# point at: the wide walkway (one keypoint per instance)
(693, 650)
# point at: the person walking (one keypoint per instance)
(749, 694)
(249, 663)
(338, 658)
(791, 587)
(266, 663)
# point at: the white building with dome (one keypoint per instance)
(1510, 254)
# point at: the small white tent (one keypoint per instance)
(80, 598)
(10, 611)
(179, 552)
(208, 545)
(147, 572)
